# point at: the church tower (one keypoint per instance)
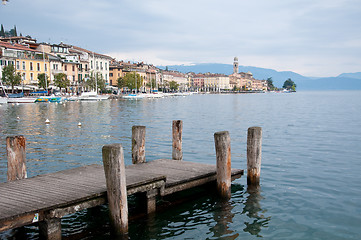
(235, 65)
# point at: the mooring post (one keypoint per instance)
(16, 153)
(222, 142)
(151, 200)
(177, 129)
(254, 155)
(50, 229)
(138, 144)
(114, 168)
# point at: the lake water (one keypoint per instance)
(311, 160)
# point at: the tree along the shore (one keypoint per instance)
(43, 81)
(10, 76)
(61, 81)
(289, 85)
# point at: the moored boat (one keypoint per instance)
(48, 99)
(21, 100)
(133, 96)
(92, 96)
(3, 100)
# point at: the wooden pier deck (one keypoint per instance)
(55, 195)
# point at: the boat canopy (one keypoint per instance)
(39, 93)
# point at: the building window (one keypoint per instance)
(110, 74)
(31, 66)
(38, 66)
(96, 63)
(73, 68)
(24, 67)
(65, 68)
(24, 77)
(101, 65)
(86, 67)
(73, 78)
(105, 66)
(91, 64)
(17, 65)
(31, 76)
(45, 67)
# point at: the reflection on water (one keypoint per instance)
(252, 208)
(223, 216)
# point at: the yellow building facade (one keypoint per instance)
(30, 68)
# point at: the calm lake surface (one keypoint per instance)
(311, 160)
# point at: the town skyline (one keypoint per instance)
(312, 38)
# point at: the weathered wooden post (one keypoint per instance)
(222, 142)
(50, 229)
(254, 155)
(177, 129)
(16, 153)
(138, 144)
(114, 168)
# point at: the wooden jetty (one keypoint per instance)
(47, 198)
(57, 194)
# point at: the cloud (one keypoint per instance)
(315, 37)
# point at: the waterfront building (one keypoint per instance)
(115, 72)
(28, 62)
(180, 78)
(25, 41)
(148, 73)
(198, 81)
(55, 64)
(245, 81)
(216, 82)
(235, 65)
(97, 64)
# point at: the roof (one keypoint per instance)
(17, 38)
(16, 46)
(91, 52)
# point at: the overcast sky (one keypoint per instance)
(318, 38)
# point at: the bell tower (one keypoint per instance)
(235, 65)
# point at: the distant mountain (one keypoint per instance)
(356, 75)
(345, 81)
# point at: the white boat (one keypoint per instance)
(92, 96)
(72, 98)
(3, 100)
(153, 95)
(21, 100)
(133, 96)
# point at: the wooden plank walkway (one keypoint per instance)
(57, 194)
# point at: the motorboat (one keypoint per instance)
(92, 96)
(3, 100)
(133, 96)
(19, 98)
(48, 99)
